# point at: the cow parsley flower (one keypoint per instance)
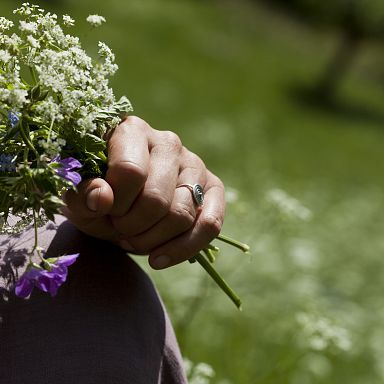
(28, 27)
(95, 20)
(33, 42)
(5, 24)
(5, 56)
(68, 21)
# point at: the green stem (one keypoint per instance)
(218, 279)
(33, 74)
(209, 254)
(27, 141)
(244, 247)
(50, 129)
(102, 156)
(213, 248)
(36, 245)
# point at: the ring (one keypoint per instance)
(197, 192)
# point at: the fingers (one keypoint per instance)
(206, 227)
(88, 208)
(154, 200)
(93, 198)
(180, 216)
(139, 205)
(128, 162)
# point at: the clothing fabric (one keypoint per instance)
(107, 323)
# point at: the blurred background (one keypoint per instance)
(284, 100)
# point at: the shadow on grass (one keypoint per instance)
(309, 97)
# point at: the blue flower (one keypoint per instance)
(46, 280)
(7, 163)
(67, 167)
(13, 118)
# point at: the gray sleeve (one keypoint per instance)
(106, 325)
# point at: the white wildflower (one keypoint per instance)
(87, 123)
(105, 51)
(108, 67)
(48, 110)
(33, 42)
(288, 205)
(28, 27)
(5, 56)
(231, 195)
(304, 254)
(52, 147)
(200, 373)
(204, 369)
(72, 41)
(5, 24)
(24, 10)
(321, 333)
(71, 101)
(14, 98)
(68, 21)
(12, 42)
(95, 20)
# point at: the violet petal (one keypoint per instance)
(70, 163)
(23, 288)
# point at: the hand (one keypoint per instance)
(138, 205)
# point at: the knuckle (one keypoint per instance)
(172, 140)
(183, 215)
(123, 169)
(216, 181)
(212, 225)
(194, 159)
(155, 198)
(135, 120)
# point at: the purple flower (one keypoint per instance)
(67, 167)
(46, 280)
(13, 118)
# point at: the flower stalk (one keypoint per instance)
(206, 264)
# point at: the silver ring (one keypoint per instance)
(197, 192)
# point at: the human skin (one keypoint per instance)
(138, 206)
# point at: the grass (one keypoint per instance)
(224, 76)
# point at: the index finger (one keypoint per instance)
(128, 162)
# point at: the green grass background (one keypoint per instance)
(224, 75)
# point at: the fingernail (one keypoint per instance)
(126, 246)
(93, 199)
(161, 262)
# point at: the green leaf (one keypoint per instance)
(93, 143)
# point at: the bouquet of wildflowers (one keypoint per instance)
(55, 109)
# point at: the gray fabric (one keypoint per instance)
(106, 324)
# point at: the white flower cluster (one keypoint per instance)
(200, 373)
(95, 20)
(68, 21)
(321, 333)
(288, 205)
(5, 24)
(75, 86)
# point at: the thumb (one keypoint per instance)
(93, 198)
